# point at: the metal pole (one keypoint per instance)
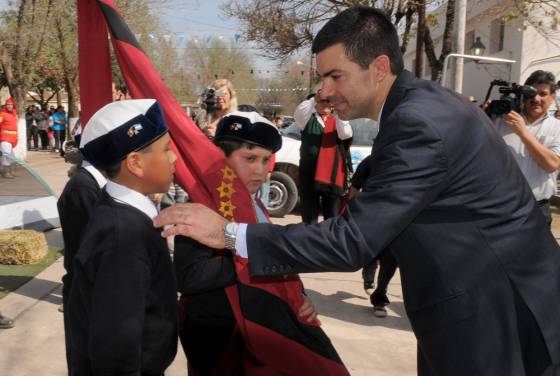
(461, 18)
(470, 57)
(311, 72)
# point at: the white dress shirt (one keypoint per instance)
(128, 196)
(306, 109)
(547, 131)
(98, 176)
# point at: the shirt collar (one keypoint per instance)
(98, 176)
(131, 197)
(380, 112)
(539, 120)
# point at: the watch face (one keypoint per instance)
(230, 228)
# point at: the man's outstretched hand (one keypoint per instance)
(195, 221)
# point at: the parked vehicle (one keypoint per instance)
(284, 194)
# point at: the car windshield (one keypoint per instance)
(365, 131)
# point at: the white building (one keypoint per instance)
(511, 39)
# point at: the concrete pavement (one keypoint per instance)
(368, 345)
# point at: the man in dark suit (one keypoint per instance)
(480, 269)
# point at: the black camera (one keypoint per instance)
(208, 100)
(511, 98)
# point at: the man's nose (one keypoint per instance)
(327, 89)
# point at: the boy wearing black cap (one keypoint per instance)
(248, 141)
(123, 307)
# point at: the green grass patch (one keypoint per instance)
(14, 276)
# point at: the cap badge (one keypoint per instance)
(235, 127)
(134, 130)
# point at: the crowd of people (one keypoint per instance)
(47, 124)
(456, 198)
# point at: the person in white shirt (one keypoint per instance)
(534, 139)
(322, 164)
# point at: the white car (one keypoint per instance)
(284, 182)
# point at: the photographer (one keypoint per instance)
(534, 139)
(218, 100)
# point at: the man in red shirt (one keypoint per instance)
(8, 137)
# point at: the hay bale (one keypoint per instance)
(22, 247)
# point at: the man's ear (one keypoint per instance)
(380, 67)
(134, 163)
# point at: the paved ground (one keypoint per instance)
(368, 345)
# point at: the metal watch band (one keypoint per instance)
(230, 235)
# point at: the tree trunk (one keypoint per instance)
(436, 64)
(421, 10)
(72, 91)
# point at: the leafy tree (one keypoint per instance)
(207, 62)
(282, 27)
(22, 37)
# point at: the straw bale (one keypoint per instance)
(22, 247)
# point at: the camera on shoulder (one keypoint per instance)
(208, 99)
(511, 98)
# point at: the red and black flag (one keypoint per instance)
(265, 311)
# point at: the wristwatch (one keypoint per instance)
(230, 234)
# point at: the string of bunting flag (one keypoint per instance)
(183, 38)
(274, 89)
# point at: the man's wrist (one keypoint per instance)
(230, 235)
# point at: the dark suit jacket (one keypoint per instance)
(480, 268)
(75, 205)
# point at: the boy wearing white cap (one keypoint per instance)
(122, 306)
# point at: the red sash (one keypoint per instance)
(291, 348)
(329, 174)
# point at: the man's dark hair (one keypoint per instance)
(228, 146)
(365, 33)
(542, 77)
(309, 96)
(114, 170)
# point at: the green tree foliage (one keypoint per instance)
(23, 31)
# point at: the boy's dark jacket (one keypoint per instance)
(123, 304)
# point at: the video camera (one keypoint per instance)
(208, 99)
(511, 99)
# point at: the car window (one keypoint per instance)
(292, 131)
(365, 131)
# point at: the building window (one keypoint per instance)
(497, 33)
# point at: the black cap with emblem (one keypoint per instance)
(249, 127)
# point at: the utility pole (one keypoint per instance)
(461, 22)
(421, 10)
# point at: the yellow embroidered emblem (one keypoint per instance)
(226, 189)
(227, 208)
(229, 175)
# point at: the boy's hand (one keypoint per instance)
(307, 311)
(195, 221)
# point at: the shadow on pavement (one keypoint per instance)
(336, 306)
(34, 288)
(54, 238)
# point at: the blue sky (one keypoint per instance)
(203, 19)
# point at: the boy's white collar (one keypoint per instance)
(131, 197)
